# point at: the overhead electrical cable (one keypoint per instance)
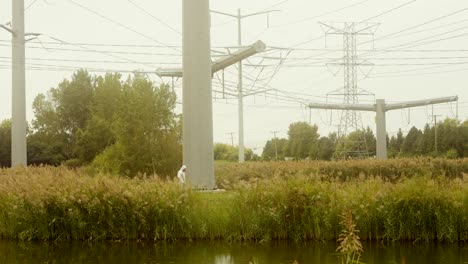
(154, 17)
(119, 24)
(388, 11)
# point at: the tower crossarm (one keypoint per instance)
(219, 64)
(353, 107)
(237, 56)
(409, 104)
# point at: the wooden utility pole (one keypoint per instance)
(276, 146)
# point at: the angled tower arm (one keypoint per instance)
(7, 29)
(237, 56)
(219, 64)
(409, 104)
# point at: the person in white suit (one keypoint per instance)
(181, 174)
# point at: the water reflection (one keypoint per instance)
(224, 259)
(223, 253)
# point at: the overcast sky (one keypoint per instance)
(419, 50)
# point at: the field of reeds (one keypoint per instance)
(229, 174)
(263, 201)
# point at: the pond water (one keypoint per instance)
(223, 253)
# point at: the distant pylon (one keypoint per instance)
(351, 120)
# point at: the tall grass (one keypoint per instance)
(230, 174)
(59, 204)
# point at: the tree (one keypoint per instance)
(74, 102)
(411, 142)
(395, 144)
(464, 138)
(302, 137)
(326, 147)
(426, 144)
(229, 153)
(452, 135)
(98, 133)
(122, 127)
(392, 148)
(222, 151)
(273, 147)
(147, 132)
(5, 143)
(59, 115)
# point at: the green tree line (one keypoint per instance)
(304, 142)
(129, 126)
(113, 125)
(231, 153)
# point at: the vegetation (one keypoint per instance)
(5, 143)
(350, 244)
(304, 142)
(49, 203)
(230, 153)
(129, 126)
(123, 127)
(230, 175)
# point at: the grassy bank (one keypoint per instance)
(59, 204)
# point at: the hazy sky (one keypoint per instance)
(419, 50)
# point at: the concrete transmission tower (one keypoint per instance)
(350, 120)
(18, 69)
(197, 71)
(380, 108)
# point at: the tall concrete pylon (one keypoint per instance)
(18, 120)
(197, 70)
(197, 104)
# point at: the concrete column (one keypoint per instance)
(240, 91)
(18, 119)
(197, 104)
(381, 130)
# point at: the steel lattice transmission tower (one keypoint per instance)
(350, 120)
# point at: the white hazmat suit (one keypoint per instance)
(181, 174)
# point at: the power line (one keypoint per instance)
(314, 17)
(321, 15)
(411, 70)
(395, 33)
(420, 40)
(424, 30)
(417, 74)
(118, 23)
(98, 51)
(391, 49)
(49, 67)
(389, 11)
(275, 5)
(416, 26)
(377, 65)
(381, 58)
(30, 5)
(102, 44)
(154, 17)
(366, 50)
(381, 14)
(88, 61)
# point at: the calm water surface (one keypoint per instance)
(223, 253)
